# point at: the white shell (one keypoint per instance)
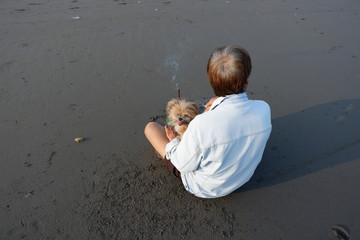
(79, 140)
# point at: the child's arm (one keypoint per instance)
(184, 154)
(210, 102)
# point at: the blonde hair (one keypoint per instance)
(228, 69)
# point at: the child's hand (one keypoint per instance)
(170, 133)
(210, 102)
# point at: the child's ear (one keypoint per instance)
(170, 104)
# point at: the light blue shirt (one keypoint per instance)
(221, 148)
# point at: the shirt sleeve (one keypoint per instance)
(184, 154)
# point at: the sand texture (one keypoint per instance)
(100, 70)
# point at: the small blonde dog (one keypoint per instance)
(180, 113)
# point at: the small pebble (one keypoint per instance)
(28, 194)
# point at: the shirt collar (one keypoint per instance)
(239, 97)
(233, 97)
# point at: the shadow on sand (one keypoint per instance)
(308, 141)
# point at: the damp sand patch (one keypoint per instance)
(149, 203)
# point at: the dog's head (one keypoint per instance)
(181, 112)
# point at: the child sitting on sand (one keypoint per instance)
(222, 147)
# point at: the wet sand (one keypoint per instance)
(102, 69)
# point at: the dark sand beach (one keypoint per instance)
(101, 70)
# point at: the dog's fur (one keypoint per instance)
(180, 113)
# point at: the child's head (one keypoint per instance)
(228, 70)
